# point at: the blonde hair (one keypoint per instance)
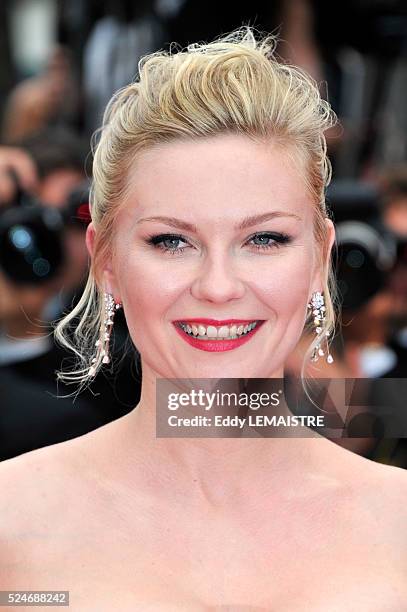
(232, 85)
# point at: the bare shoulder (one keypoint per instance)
(378, 498)
(35, 475)
(355, 469)
(52, 489)
(384, 504)
(386, 491)
(382, 486)
(365, 509)
(387, 484)
(41, 480)
(40, 497)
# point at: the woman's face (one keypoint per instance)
(215, 233)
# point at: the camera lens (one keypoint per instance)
(30, 244)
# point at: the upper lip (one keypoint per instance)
(217, 322)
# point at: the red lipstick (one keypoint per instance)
(217, 322)
(217, 346)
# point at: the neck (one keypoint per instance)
(214, 469)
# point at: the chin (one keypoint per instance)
(230, 370)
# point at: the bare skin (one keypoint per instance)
(129, 521)
(122, 530)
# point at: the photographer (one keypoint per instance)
(393, 223)
(42, 259)
(56, 157)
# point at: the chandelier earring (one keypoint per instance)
(103, 343)
(318, 309)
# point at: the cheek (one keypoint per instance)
(284, 282)
(148, 289)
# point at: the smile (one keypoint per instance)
(212, 335)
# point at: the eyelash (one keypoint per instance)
(278, 239)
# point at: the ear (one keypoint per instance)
(318, 281)
(107, 277)
(90, 238)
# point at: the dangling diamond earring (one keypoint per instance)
(317, 305)
(103, 343)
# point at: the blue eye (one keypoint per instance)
(269, 240)
(169, 243)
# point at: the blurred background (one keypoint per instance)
(60, 62)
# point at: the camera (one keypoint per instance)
(31, 235)
(366, 252)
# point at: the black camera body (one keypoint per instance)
(366, 252)
(31, 245)
(31, 234)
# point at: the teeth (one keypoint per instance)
(195, 330)
(201, 330)
(223, 333)
(211, 331)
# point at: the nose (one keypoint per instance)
(217, 281)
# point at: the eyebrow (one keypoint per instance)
(244, 224)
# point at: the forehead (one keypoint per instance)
(218, 178)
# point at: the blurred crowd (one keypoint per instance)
(356, 50)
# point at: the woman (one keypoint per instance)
(208, 214)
